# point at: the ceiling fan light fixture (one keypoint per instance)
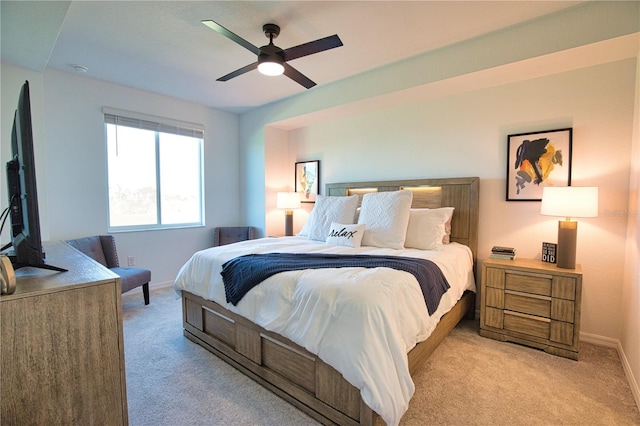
(273, 60)
(270, 67)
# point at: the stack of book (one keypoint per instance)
(499, 252)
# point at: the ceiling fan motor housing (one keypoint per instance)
(271, 51)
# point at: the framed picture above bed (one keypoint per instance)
(307, 180)
(536, 160)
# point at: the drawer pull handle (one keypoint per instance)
(531, 317)
(530, 295)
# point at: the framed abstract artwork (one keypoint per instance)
(536, 160)
(308, 180)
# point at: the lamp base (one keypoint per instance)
(288, 223)
(567, 235)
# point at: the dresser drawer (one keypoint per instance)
(527, 303)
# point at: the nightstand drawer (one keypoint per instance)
(562, 332)
(564, 288)
(494, 297)
(530, 325)
(494, 277)
(528, 282)
(527, 303)
(527, 324)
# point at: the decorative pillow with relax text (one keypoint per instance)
(348, 235)
(386, 215)
(326, 211)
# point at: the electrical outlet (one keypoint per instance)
(131, 261)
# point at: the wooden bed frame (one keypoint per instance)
(299, 376)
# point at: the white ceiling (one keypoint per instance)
(162, 47)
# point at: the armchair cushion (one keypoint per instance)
(132, 277)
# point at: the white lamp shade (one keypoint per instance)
(288, 200)
(569, 201)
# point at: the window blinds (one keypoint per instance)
(156, 124)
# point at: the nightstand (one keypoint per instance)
(533, 303)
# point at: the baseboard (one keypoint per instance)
(599, 340)
(615, 343)
(161, 285)
(152, 286)
(633, 383)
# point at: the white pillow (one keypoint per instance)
(326, 211)
(341, 234)
(386, 215)
(427, 228)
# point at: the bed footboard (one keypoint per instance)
(289, 370)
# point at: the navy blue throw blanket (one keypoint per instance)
(243, 273)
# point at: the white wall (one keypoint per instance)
(71, 164)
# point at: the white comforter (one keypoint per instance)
(360, 321)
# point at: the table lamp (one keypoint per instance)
(568, 201)
(288, 201)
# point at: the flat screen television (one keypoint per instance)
(22, 191)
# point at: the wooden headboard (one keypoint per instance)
(461, 193)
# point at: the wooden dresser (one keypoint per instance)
(533, 303)
(62, 350)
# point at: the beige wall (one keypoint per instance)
(466, 135)
(630, 339)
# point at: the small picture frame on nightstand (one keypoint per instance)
(549, 252)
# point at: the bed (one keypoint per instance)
(307, 367)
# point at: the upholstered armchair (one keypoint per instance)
(102, 249)
(232, 234)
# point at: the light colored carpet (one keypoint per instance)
(469, 380)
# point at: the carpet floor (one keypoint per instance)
(468, 380)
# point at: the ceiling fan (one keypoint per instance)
(272, 60)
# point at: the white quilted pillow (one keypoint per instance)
(386, 215)
(326, 211)
(427, 228)
(345, 235)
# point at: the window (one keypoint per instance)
(154, 173)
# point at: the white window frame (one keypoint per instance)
(158, 125)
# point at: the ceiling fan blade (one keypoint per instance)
(312, 47)
(228, 34)
(238, 72)
(297, 76)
